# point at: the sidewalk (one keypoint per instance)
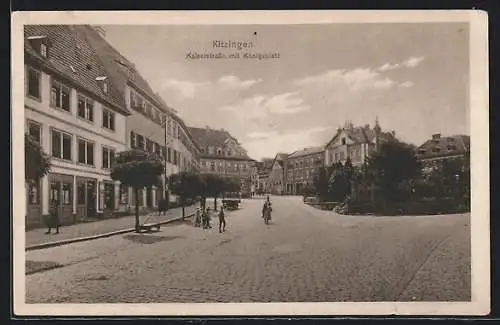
(38, 236)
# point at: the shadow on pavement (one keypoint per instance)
(149, 239)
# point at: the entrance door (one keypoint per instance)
(109, 196)
(55, 196)
(91, 198)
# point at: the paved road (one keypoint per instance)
(304, 255)
(38, 236)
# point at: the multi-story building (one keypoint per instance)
(357, 143)
(300, 167)
(223, 155)
(76, 112)
(277, 174)
(152, 126)
(438, 149)
(263, 170)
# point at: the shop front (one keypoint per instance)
(86, 204)
(61, 195)
(33, 204)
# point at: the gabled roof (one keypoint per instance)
(207, 137)
(444, 146)
(306, 152)
(121, 69)
(361, 134)
(74, 59)
(279, 158)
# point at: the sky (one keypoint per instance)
(414, 77)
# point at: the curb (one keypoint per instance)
(105, 235)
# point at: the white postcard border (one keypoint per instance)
(479, 126)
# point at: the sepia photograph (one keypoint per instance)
(236, 163)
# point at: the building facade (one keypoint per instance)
(277, 174)
(75, 112)
(152, 125)
(223, 155)
(299, 168)
(356, 143)
(433, 152)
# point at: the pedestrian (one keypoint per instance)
(209, 218)
(222, 220)
(53, 221)
(197, 218)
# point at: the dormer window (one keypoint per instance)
(40, 44)
(43, 50)
(103, 82)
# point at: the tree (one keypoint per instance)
(320, 182)
(137, 169)
(393, 163)
(339, 181)
(215, 185)
(36, 161)
(185, 185)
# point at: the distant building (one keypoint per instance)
(276, 177)
(438, 149)
(263, 170)
(300, 167)
(223, 155)
(357, 143)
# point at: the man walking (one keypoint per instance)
(222, 220)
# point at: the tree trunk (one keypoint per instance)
(182, 206)
(215, 202)
(136, 190)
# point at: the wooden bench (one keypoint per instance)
(148, 227)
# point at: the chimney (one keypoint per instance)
(436, 136)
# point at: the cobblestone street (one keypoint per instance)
(304, 255)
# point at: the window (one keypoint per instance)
(43, 50)
(343, 141)
(61, 145)
(85, 108)
(169, 155)
(157, 148)
(175, 157)
(149, 145)
(60, 96)
(219, 152)
(133, 140)
(108, 156)
(212, 166)
(34, 83)
(85, 152)
(35, 130)
(140, 142)
(452, 147)
(105, 87)
(108, 119)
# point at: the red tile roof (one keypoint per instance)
(72, 58)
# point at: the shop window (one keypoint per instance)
(67, 197)
(80, 193)
(123, 194)
(34, 193)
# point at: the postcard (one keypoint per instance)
(250, 163)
